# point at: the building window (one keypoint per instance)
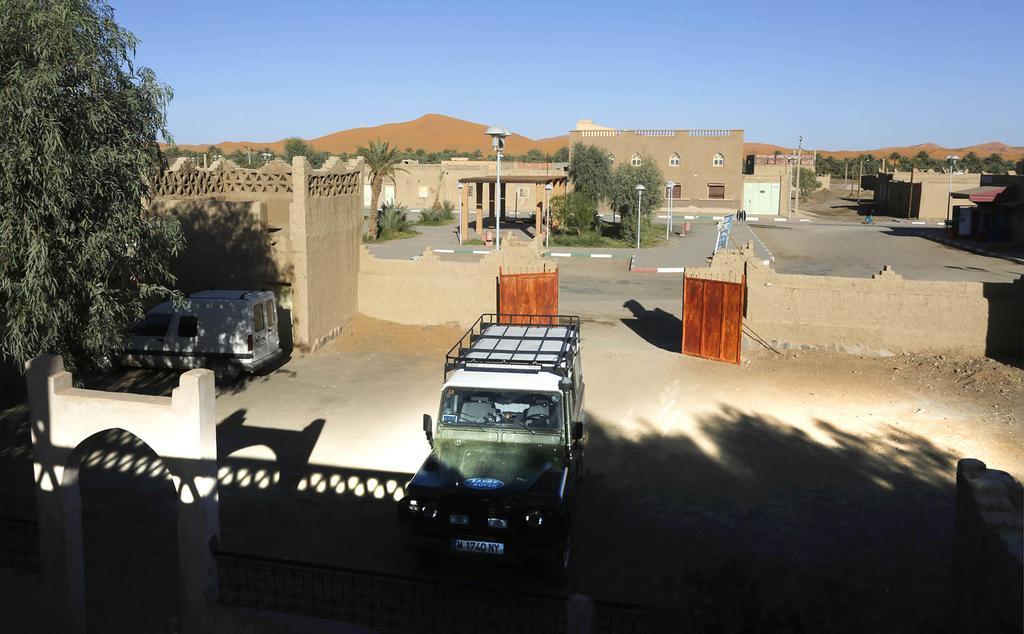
(673, 161)
(611, 158)
(716, 191)
(635, 161)
(523, 192)
(719, 160)
(677, 191)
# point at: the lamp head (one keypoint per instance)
(953, 157)
(459, 186)
(549, 186)
(670, 184)
(640, 187)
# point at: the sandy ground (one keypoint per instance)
(809, 486)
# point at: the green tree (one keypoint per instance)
(971, 162)
(808, 182)
(590, 170)
(575, 212)
(80, 255)
(623, 195)
(382, 160)
(297, 147)
(561, 155)
(995, 164)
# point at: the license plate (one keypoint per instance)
(473, 546)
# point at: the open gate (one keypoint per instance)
(713, 318)
(523, 297)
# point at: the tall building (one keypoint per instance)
(706, 165)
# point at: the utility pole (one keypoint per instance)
(910, 192)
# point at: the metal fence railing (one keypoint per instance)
(19, 544)
(383, 601)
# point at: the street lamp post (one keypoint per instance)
(799, 151)
(547, 214)
(952, 158)
(459, 187)
(639, 197)
(497, 135)
(670, 186)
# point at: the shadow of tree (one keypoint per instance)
(749, 524)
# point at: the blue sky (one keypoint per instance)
(843, 75)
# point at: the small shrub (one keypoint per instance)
(574, 213)
(439, 214)
(393, 221)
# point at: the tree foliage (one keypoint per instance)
(297, 147)
(623, 195)
(808, 182)
(590, 170)
(851, 167)
(382, 159)
(80, 256)
(575, 212)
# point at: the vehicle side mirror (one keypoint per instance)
(428, 428)
(577, 430)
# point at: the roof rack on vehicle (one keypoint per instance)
(514, 342)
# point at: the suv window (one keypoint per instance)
(154, 325)
(188, 326)
(271, 313)
(257, 317)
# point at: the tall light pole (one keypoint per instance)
(670, 186)
(547, 213)
(266, 157)
(952, 158)
(459, 187)
(639, 197)
(799, 148)
(497, 134)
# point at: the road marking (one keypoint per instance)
(716, 217)
(689, 217)
(754, 218)
(481, 251)
(444, 250)
(764, 246)
(805, 220)
(600, 255)
(779, 219)
(918, 222)
(560, 255)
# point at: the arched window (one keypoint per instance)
(673, 160)
(611, 158)
(635, 161)
(719, 160)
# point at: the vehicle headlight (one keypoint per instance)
(458, 520)
(429, 511)
(413, 506)
(535, 518)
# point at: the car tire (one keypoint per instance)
(556, 568)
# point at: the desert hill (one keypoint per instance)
(436, 132)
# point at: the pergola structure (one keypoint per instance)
(485, 197)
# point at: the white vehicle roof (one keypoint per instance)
(529, 344)
(506, 380)
(227, 294)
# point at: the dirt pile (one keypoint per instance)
(365, 335)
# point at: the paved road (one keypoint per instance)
(857, 250)
(809, 248)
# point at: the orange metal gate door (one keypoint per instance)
(522, 296)
(712, 319)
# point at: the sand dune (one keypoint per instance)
(436, 132)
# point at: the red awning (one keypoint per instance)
(985, 194)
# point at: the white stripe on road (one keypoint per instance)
(779, 219)
(560, 255)
(671, 269)
(805, 220)
(689, 217)
(600, 255)
(444, 250)
(754, 218)
(481, 251)
(918, 222)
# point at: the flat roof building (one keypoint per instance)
(705, 164)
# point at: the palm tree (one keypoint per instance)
(894, 159)
(382, 160)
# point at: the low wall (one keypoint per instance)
(884, 313)
(429, 291)
(987, 555)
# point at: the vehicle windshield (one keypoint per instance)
(533, 411)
